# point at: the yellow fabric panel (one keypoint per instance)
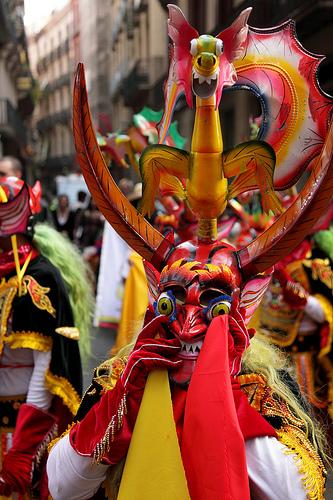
(135, 303)
(154, 468)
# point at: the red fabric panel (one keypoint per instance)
(85, 435)
(213, 448)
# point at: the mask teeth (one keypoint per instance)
(207, 79)
(192, 348)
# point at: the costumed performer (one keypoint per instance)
(197, 410)
(41, 311)
(296, 314)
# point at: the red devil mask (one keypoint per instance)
(198, 284)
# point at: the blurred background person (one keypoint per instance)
(11, 166)
(46, 309)
(89, 226)
(79, 207)
(89, 222)
(64, 217)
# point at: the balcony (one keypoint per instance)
(7, 32)
(118, 77)
(63, 80)
(11, 123)
(61, 117)
(309, 15)
(44, 124)
(118, 22)
(55, 54)
(144, 77)
(61, 163)
(43, 63)
(48, 168)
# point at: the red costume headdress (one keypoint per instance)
(18, 203)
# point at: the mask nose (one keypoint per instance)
(190, 323)
(206, 61)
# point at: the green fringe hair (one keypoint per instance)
(324, 240)
(76, 275)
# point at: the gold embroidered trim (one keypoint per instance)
(321, 270)
(116, 423)
(298, 274)
(113, 369)
(254, 386)
(307, 461)
(305, 363)
(279, 326)
(330, 391)
(277, 321)
(43, 447)
(55, 440)
(328, 311)
(29, 340)
(327, 365)
(70, 332)
(38, 294)
(8, 291)
(60, 386)
(107, 375)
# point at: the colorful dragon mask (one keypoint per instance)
(204, 278)
(203, 64)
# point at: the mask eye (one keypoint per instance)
(165, 304)
(219, 47)
(194, 47)
(218, 307)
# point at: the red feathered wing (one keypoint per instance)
(297, 221)
(296, 111)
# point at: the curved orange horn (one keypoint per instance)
(296, 222)
(119, 212)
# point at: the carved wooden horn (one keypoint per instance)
(118, 211)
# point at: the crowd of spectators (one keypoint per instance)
(80, 221)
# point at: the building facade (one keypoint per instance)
(95, 44)
(124, 47)
(53, 51)
(16, 99)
